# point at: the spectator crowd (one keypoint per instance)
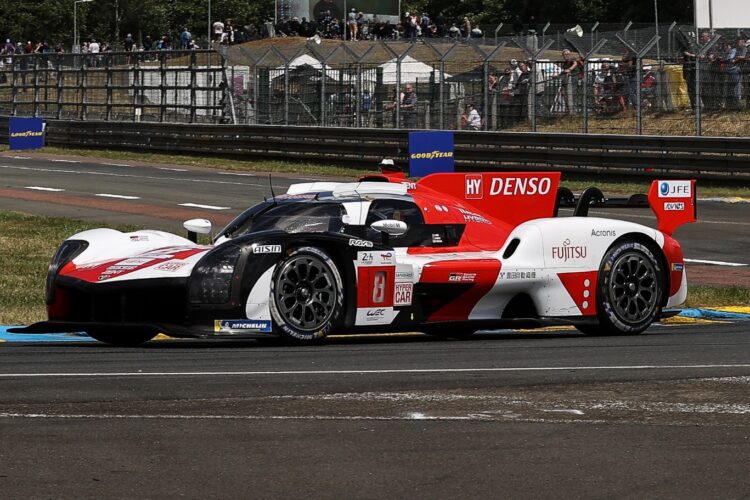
(330, 23)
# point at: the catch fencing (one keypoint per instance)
(627, 81)
(165, 86)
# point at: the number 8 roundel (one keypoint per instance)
(375, 286)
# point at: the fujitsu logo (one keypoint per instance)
(567, 252)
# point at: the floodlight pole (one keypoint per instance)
(593, 33)
(76, 45)
(497, 30)
(656, 25)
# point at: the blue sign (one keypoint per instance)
(430, 152)
(242, 325)
(26, 133)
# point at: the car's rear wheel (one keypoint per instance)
(121, 337)
(629, 292)
(306, 296)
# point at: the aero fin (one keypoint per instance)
(511, 197)
(673, 203)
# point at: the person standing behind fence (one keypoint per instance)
(688, 55)
(185, 38)
(521, 93)
(218, 31)
(731, 70)
(505, 98)
(365, 105)
(629, 72)
(470, 120)
(408, 107)
(710, 71)
(466, 28)
(571, 70)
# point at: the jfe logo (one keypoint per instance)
(675, 189)
(473, 187)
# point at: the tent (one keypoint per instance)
(411, 70)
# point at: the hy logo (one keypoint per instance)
(473, 185)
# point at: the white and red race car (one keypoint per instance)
(447, 255)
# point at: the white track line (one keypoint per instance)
(66, 161)
(116, 164)
(207, 207)
(21, 157)
(715, 262)
(133, 176)
(373, 372)
(119, 196)
(173, 169)
(40, 188)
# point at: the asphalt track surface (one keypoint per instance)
(155, 197)
(515, 414)
(550, 414)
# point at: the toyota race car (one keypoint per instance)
(447, 255)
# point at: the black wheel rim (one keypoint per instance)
(305, 292)
(633, 287)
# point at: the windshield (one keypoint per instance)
(305, 217)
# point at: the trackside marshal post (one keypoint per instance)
(25, 133)
(430, 152)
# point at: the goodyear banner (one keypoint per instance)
(430, 152)
(26, 133)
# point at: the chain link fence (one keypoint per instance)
(626, 81)
(171, 86)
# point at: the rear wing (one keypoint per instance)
(673, 202)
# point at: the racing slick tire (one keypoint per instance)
(307, 296)
(629, 291)
(122, 337)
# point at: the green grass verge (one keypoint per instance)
(621, 185)
(717, 296)
(27, 243)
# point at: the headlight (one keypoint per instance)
(68, 251)
(211, 282)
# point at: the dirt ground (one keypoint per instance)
(718, 275)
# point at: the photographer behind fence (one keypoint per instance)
(470, 119)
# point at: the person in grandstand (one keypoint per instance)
(330, 6)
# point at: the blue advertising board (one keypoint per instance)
(430, 152)
(25, 133)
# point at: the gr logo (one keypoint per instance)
(473, 184)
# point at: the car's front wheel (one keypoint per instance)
(629, 292)
(306, 296)
(120, 337)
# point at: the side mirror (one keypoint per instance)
(195, 227)
(391, 227)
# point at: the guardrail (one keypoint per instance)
(645, 156)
